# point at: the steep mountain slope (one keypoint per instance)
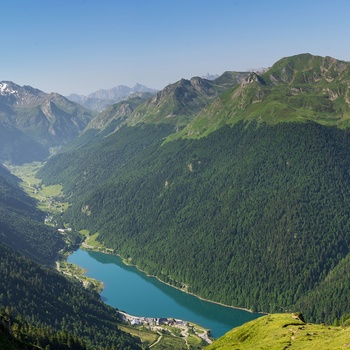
(298, 88)
(184, 100)
(45, 299)
(185, 96)
(232, 216)
(21, 224)
(45, 307)
(18, 148)
(283, 331)
(254, 214)
(17, 334)
(115, 114)
(33, 121)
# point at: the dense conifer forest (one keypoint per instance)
(236, 193)
(262, 209)
(22, 225)
(38, 305)
(48, 309)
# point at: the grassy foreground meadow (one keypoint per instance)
(283, 331)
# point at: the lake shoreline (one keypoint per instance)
(131, 290)
(109, 251)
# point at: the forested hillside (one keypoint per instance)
(38, 305)
(50, 309)
(251, 214)
(22, 225)
(104, 154)
(17, 334)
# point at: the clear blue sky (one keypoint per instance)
(81, 46)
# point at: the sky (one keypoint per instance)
(81, 46)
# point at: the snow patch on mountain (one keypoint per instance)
(5, 89)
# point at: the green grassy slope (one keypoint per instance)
(298, 89)
(115, 114)
(178, 103)
(283, 331)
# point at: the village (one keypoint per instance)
(162, 326)
(171, 326)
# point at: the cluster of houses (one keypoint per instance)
(154, 323)
(151, 321)
(64, 230)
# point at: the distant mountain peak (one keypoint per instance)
(32, 121)
(306, 68)
(102, 98)
(209, 76)
(6, 88)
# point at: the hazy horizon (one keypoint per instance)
(82, 46)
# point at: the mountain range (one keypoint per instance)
(32, 122)
(178, 103)
(295, 89)
(103, 98)
(235, 189)
(249, 170)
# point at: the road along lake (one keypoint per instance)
(132, 291)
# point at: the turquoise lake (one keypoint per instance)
(132, 291)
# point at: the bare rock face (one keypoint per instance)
(298, 316)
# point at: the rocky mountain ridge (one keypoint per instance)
(178, 103)
(298, 88)
(115, 114)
